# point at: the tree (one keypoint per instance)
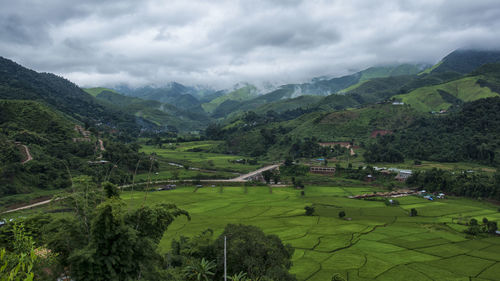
(250, 250)
(122, 246)
(111, 190)
(201, 270)
(267, 176)
(474, 228)
(413, 212)
(18, 265)
(492, 227)
(309, 210)
(341, 214)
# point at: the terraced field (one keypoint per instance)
(377, 243)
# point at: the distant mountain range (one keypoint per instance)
(457, 78)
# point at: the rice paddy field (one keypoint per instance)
(377, 242)
(197, 157)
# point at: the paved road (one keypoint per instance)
(242, 178)
(245, 177)
(29, 206)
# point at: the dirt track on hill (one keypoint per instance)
(28, 154)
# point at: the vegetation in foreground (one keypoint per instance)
(352, 239)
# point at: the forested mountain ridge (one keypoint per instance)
(58, 147)
(317, 87)
(20, 83)
(466, 61)
(166, 116)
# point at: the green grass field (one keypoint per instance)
(379, 243)
(200, 162)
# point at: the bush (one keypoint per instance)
(309, 210)
(413, 212)
(341, 214)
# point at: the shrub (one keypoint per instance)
(309, 210)
(341, 214)
(413, 212)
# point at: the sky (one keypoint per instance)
(220, 43)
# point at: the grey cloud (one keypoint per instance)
(222, 42)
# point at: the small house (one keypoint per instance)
(403, 175)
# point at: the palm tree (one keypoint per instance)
(200, 271)
(239, 277)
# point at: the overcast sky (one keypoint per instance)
(219, 43)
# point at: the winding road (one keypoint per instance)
(28, 154)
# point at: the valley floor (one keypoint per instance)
(379, 242)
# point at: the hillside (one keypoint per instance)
(19, 83)
(470, 134)
(48, 136)
(352, 124)
(58, 148)
(481, 84)
(176, 94)
(326, 87)
(466, 61)
(163, 115)
(240, 94)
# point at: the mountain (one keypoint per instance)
(466, 61)
(20, 83)
(318, 87)
(161, 114)
(176, 94)
(238, 94)
(31, 128)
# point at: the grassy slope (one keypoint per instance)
(97, 90)
(427, 99)
(241, 94)
(353, 123)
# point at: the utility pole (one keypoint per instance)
(225, 260)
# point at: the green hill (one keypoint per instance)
(47, 134)
(161, 114)
(469, 134)
(481, 84)
(466, 61)
(357, 83)
(352, 124)
(19, 83)
(97, 90)
(241, 94)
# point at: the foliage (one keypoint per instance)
(251, 251)
(463, 183)
(413, 212)
(250, 254)
(468, 135)
(309, 210)
(341, 214)
(201, 271)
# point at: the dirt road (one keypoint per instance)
(28, 154)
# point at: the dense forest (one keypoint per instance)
(471, 134)
(57, 150)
